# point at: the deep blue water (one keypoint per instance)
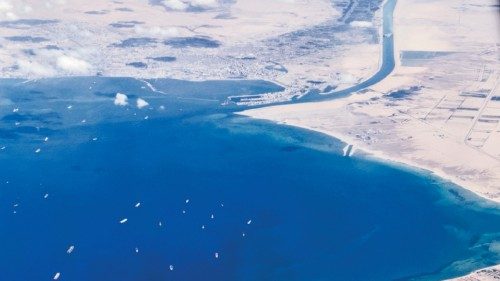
(315, 215)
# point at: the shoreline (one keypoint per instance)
(377, 155)
(490, 273)
(419, 128)
(425, 131)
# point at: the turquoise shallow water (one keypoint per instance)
(286, 205)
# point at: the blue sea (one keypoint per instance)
(185, 189)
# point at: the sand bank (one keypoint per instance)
(436, 111)
(486, 274)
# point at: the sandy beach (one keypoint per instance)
(486, 274)
(436, 111)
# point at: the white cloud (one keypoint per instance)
(33, 68)
(141, 103)
(15, 9)
(157, 31)
(11, 16)
(52, 3)
(27, 9)
(121, 99)
(5, 6)
(175, 5)
(181, 5)
(73, 65)
(7, 10)
(345, 78)
(205, 3)
(361, 24)
(57, 63)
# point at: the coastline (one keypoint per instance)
(435, 113)
(433, 126)
(318, 184)
(380, 156)
(486, 274)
